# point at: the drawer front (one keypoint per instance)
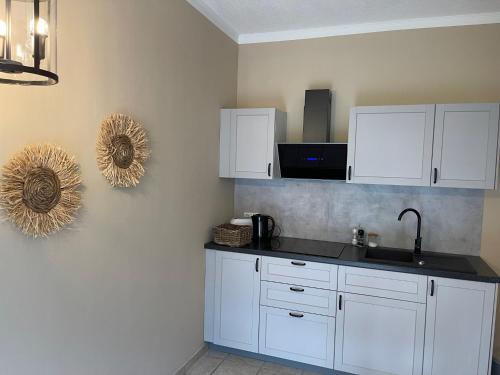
(298, 272)
(286, 296)
(297, 336)
(396, 285)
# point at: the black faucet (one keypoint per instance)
(418, 240)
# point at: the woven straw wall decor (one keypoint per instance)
(39, 189)
(122, 148)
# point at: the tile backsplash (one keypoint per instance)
(328, 210)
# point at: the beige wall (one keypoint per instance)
(402, 67)
(122, 291)
(448, 65)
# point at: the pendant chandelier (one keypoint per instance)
(28, 50)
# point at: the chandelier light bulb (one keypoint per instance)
(42, 27)
(3, 29)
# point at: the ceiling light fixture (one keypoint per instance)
(28, 42)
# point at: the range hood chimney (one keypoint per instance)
(317, 116)
(316, 157)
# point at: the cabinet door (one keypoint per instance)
(379, 336)
(460, 316)
(252, 143)
(391, 145)
(465, 146)
(237, 291)
(297, 336)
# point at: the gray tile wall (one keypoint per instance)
(327, 210)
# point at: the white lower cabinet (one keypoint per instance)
(237, 292)
(379, 336)
(459, 327)
(297, 336)
(378, 323)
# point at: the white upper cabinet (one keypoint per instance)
(248, 139)
(391, 145)
(444, 145)
(459, 327)
(236, 308)
(465, 146)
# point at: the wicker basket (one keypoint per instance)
(233, 235)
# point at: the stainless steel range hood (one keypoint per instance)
(316, 158)
(317, 116)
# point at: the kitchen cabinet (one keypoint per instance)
(297, 312)
(465, 146)
(237, 292)
(377, 323)
(379, 336)
(210, 265)
(444, 145)
(297, 336)
(390, 145)
(248, 139)
(459, 327)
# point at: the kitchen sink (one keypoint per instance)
(390, 255)
(443, 262)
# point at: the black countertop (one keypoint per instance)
(438, 264)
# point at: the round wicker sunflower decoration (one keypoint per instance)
(40, 189)
(122, 148)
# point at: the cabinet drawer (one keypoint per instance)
(286, 296)
(297, 336)
(396, 285)
(298, 272)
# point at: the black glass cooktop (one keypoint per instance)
(302, 246)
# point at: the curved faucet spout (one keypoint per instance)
(418, 240)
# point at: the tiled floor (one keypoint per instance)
(218, 363)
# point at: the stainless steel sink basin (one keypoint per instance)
(390, 255)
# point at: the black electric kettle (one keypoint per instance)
(261, 230)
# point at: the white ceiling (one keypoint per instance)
(253, 21)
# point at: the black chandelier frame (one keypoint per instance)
(13, 67)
